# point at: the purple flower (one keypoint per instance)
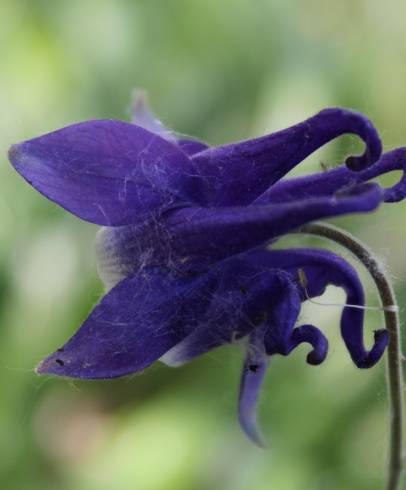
(184, 248)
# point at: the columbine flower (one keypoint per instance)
(184, 244)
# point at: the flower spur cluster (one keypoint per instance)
(186, 245)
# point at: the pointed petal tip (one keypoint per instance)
(70, 367)
(40, 369)
(74, 167)
(253, 374)
(52, 365)
(254, 435)
(11, 151)
(13, 154)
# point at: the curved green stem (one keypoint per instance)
(392, 323)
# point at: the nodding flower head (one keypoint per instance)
(185, 249)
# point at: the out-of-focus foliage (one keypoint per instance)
(221, 71)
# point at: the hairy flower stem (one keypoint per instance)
(392, 323)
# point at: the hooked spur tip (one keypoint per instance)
(358, 162)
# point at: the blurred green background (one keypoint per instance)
(221, 71)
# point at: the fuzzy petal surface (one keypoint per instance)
(107, 172)
(191, 147)
(323, 268)
(332, 181)
(238, 173)
(210, 234)
(134, 324)
(145, 315)
(261, 298)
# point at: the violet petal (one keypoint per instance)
(257, 297)
(214, 233)
(332, 181)
(107, 172)
(238, 173)
(254, 370)
(322, 268)
(134, 324)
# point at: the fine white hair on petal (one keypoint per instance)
(120, 252)
(110, 266)
(143, 116)
(174, 356)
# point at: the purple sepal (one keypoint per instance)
(147, 314)
(134, 324)
(108, 172)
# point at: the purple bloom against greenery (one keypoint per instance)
(184, 249)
